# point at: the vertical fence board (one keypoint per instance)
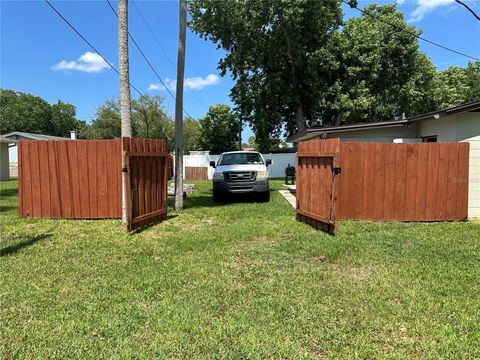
(421, 186)
(411, 181)
(403, 182)
(92, 178)
(443, 166)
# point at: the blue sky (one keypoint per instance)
(42, 56)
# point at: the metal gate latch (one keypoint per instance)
(337, 170)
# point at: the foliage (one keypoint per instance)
(275, 52)
(28, 113)
(457, 85)
(291, 57)
(236, 281)
(219, 130)
(106, 124)
(379, 72)
(149, 120)
(191, 135)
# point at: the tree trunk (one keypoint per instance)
(125, 102)
(299, 115)
(179, 107)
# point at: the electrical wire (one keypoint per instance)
(148, 61)
(411, 32)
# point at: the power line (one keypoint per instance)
(411, 32)
(161, 47)
(154, 36)
(468, 8)
(89, 43)
(148, 61)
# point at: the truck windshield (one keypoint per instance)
(241, 158)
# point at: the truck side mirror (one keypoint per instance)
(268, 162)
(212, 164)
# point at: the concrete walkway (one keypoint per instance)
(289, 197)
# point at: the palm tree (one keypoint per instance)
(179, 108)
(125, 102)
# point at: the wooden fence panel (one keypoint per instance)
(380, 181)
(70, 179)
(316, 187)
(147, 167)
(82, 179)
(196, 173)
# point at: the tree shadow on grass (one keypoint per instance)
(4, 193)
(9, 250)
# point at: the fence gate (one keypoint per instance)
(147, 166)
(317, 167)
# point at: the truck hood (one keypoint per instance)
(246, 167)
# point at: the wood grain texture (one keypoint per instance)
(82, 179)
(385, 182)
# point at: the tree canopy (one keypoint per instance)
(149, 120)
(28, 113)
(219, 130)
(297, 64)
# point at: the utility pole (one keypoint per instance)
(179, 106)
(125, 101)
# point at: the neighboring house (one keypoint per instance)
(11, 153)
(459, 123)
(4, 158)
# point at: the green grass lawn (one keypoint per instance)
(236, 281)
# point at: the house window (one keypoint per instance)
(427, 139)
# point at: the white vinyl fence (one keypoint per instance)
(276, 170)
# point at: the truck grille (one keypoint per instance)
(240, 176)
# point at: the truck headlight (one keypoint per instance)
(262, 175)
(218, 175)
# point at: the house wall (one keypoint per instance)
(379, 135)
(461, 127)
(4, 163)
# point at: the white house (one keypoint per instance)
(460, 123)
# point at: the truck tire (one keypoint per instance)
(265, 197)
(217, 197)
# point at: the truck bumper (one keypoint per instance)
(257, 186)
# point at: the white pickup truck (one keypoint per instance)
(241, 172)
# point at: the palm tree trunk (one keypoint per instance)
(179, 107)
(125, 102)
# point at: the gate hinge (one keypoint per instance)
(124, 169)
(337, 170)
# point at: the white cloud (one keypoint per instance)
(426, 6)
(89, 62)
(192, 83)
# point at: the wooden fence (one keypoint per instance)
(381, 181)
(70, 179)
(82, 179)
(147, 164)
(196, 173)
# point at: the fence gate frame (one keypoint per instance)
(327, 150)
(146, 169)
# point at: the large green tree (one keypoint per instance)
(274, 51)
(457, 85)
(296, 63)
(219, 130)
(28, 113)
(379, 71)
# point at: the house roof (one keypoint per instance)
(3, 139)
(18, 135)
(314, 132)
